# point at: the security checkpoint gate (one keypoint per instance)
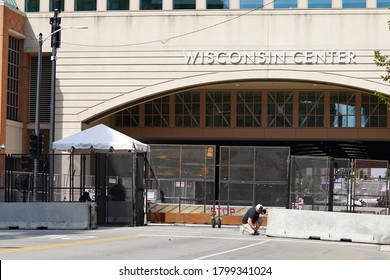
(343, 185)
(338, 185)
(311, 183)
(183, 174)
(252, 175)
(99, 174)
(119, 188)
(370, 192)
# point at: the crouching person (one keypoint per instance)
(252, 220)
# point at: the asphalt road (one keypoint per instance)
(174, 242)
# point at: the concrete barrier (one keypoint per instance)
(53, 215)
(333, 226)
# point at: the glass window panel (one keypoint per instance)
(382, 121)
(342, 109)
(218, 108)
(151, 5)
(187, 109)
(187, 121)
(217, 121)
(286, 4)
(32, 6)
(354, 4)
(157, 112)
(217, 4)
(289, 109)
(248, 109)
(251, 4)
(248, 121)
(184, 4)
(279, 109)
(13, 79)
(165, 109)
(372, 111)
(320, 4)
(383, 4)
(319, 121)
(117, 5)
(311, 108)
(240, 109)
(383, 109)
(85, 5)
(128, 117)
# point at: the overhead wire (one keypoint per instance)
(164, 41)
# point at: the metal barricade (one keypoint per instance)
(370, 192)
(343, 185)
(311, 183)
(24, 181)
(251, 175)
(183, 175)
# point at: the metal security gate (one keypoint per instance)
(119, 189)
(311, 183)
(183, 174)
(343, 185)
(251, 175)
(370, 192)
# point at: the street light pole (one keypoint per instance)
(56, 29)
(37, 116)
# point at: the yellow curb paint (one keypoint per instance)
(69, 244)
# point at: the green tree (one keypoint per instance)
(305, 184)
(382, 60)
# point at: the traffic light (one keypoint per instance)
(55, 29)
(25, 162)
(33, 150)
(40, 143)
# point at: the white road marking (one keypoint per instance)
(232, 250)
(65, 237)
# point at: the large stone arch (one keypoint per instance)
(330, 78)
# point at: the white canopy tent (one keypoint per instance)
(99, 138)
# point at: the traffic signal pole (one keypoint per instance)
(55, 43)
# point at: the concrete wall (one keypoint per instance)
(333, 226)
(48, 215)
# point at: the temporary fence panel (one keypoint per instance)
(24, 178)
(183, 174)
(251, 175)
(371, 186)
(311, 183)
(343, 185)
(74, 174)
(119, 188)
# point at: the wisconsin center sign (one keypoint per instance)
(270, 57)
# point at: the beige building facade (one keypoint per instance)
(255, 75)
